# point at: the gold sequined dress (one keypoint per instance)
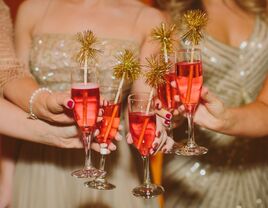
(43, 174)
(234, 172)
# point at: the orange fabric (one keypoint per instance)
(156, 166)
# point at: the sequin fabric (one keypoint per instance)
(233, 174)
(53, 58)
(10, 67)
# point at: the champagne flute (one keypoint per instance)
(189, 81)
(142, 125)
(108, 129)
(85, 93)
(166, 94)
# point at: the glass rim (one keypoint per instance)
(187, 50)
(138, 99)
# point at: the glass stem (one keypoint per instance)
(87, 143)
(102, 166)
(170, 130)
(191, 140)
(146, 168)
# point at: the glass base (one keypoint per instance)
(186, 150)
(99, 184)
(148, 191)
(176, 146)
(90, 172)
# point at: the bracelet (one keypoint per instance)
(36, 92)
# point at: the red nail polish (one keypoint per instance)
(157, 106)
(168, 116)
(167, 122)
(70, 104)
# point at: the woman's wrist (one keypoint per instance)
(37, 102)
(229, 121)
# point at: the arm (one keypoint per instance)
(14, 123)
(19, 90)
(250, 120)
(35, 130)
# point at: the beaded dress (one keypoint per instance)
(43, 174)
(233, 174)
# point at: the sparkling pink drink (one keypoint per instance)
(166, 92)
(189, 81)
(110, 123)
(142, 128)
(86, 98)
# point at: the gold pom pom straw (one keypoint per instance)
(164, 34)
(86, 39)
(154, 77)
(128, 68)
(193, 21)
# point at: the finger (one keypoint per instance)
(156, 141)
(99, 119)
(120, 127)
(118, 137)
(101, 112)
(105, 102)
(95, 146)
(167, 123)
(129, 138)
(96, 132)
(168, 145)
(70, 143)
(177, 98)
(60, 101)
(112, 147)
(163, 140)
(164, 114)
(58, 118)
(158, 104)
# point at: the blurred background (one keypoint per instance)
(13, 5)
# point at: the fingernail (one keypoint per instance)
(155, 145)
(164, 150)
(167, 122)
(158, 106)
(70, 104)
(158, 134)
(168, 115)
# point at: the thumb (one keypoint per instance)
(214, 105)
(58, 101)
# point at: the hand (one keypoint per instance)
(53, 107)
(59, 136)
(162, 141)
(211, 113)
(113, 133)
(111, 147)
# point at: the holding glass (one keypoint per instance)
(87, 98)
(142, 125)
(108, 130)
(189, 81)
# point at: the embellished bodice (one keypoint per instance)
(53, 56)
(233, 172)
(235, 74)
